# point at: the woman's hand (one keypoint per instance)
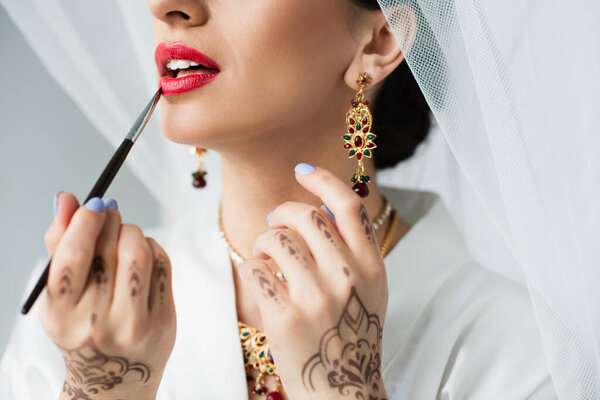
(324, 323)
(108, 304)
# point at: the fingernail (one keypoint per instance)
(112, 204)
(304, 168)
(324, 207)
(269, 215)
(56, 202)
(95, 204)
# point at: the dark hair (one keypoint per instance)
(401, 116)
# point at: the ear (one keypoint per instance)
(378, 52)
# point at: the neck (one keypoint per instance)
(259, 175)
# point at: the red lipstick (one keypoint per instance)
(204, 73)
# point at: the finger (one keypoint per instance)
(99, 287)
(65, 205)
(134, 267)
(161, 293)
(73, 256)
(291, 254)
(350, 212)
(268, 292)
(319, 233)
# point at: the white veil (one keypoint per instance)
(513, 86)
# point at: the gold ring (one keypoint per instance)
(280, 276)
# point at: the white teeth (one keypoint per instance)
(181, 64)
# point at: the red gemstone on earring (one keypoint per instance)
(358, 142)
(366, 102)
(350, 129)
(274, 396)
(361, 189)
(366, 129)
(347, 146)
(354, 103)
(358, 156)
(371, 145)
(364, 120)
(352, 122)
(199, 182)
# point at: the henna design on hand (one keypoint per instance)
(134, 279)
(366, 223)
(98, 271)
(286, 242)
(65, 281)
(268, 288)
(89, 371)
(322, 226)
(350, 354)
(161, 275)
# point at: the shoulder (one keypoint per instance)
(454, 328)
(474, 337)
(493, 339)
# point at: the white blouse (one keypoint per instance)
(453, 330)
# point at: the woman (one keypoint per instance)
(339, 322)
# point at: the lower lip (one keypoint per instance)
(185, 83)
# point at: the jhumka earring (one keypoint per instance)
(358, 136)
(198, 175)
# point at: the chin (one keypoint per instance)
(183, 123)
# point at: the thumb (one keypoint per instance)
(65, 205)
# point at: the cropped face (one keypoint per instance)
(281, 66)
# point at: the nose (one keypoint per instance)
(179, 13)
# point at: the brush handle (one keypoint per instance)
(101, 186)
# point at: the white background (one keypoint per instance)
(46, 145)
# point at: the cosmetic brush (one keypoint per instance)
(103, 182)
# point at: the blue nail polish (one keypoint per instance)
(324, 207)
(269, 215)
(95, 204)
(112, 204)
(304, 168)
(56, 201)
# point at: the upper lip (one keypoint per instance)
(180, 51)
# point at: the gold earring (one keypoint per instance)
(198, 175)
(358, 136)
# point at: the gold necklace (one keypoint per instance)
(255, 346)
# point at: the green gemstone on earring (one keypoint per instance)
(270, 369)
(262, 353)
(358, 126)
(347, 137)
(367, 152)
(245, 333)
(353, 180)
(370, 137)
(367, 178)
(352, 152)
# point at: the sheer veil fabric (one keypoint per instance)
(513, 87)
